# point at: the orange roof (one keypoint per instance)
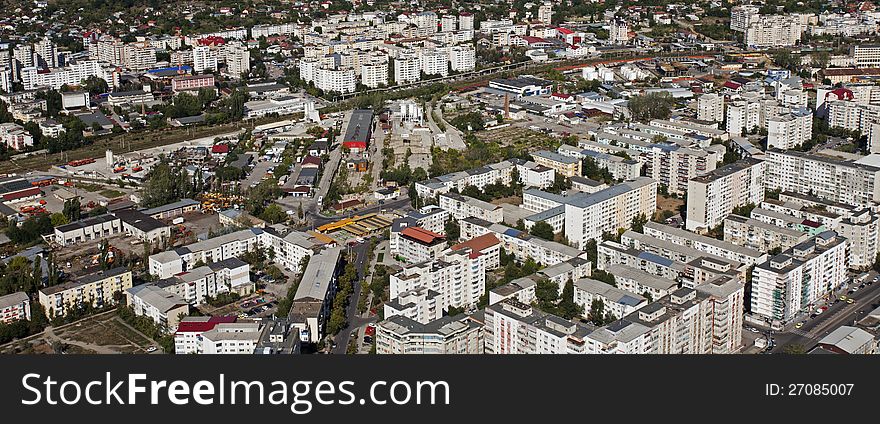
(478, 244)
(422, 235)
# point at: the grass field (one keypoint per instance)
(111, 194)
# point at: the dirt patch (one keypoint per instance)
(513, 200)
(665, 203)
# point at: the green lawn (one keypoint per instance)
(111, 194)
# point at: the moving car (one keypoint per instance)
(799, 325)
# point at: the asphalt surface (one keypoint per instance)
(354, 321)
(839, 313)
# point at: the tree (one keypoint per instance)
(597, 312)
(542, 230)
(58, 218)
(72, 209)
(656, 105)
(95, 85)
(273, 214)
(547, 293)
(638, 223)
(567, 308)
(452, 229)
(785, 59)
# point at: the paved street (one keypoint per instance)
(354, 320)
(838, 314)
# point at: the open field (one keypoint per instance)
(102, 333)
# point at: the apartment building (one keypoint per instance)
(706, 131)
(673, 166)
(619, 167)
(519, 244)
(768, 31)
(714, 195)
(15, 136)
(237, 338)
(789, 130)
(161, 306)
(512, 327)
(759, 235)
(500, 172)
(227, 246)
(615, 301)
(710, 107)
(852, 115)
(812, 215)
(421, 304)
(487, 246)
(188, 337)
(196, 285)
(315, 294)
(824, 177)
(565, 165)
(459, 276)
(341, 80)
(431, 218)
(698, 266)
(416, 244)
(634, 280)
(709, 245)
(702, 320)
(460, 207)
(407, 68)
(96, 289)
(799, 277)
(462, 58)
(374, 73)
(588, 216)
(447, 335)
(572, 269)
(522, 290)
(14, 307)
(865, 55)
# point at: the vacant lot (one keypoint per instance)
(103, 333)
(671, 204)
(520, 138)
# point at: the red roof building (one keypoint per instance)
(220, 148)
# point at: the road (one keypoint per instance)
(838, 314)
(354, 320)
(402, 202)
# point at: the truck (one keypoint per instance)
(178, 220)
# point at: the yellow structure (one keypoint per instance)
(95, 289)
(357, 226)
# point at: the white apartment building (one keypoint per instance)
(399, 335)
(865, 55)
(460, 207)
(587, 217)
(618, 32)
(237, 58)
(163, 307)
(640, 282)
(714, 195)
(239, 338)
(707, 319)
(710, 107)
(774, 31)
(824, 177)
(619, 167)
(72, 74)
(407, 68)
(15, 306)
(341, 80)
(742, 16)
(615, 301)
(416, 244)
(462, 58)
(789, 130)
(853, 116)
(194, 286)
(759, 235)
(673, 166)
(421, 304)
(529, 172)
(15, 136)
(799, 277)
(465, 22)
(435, 62)
(47, 53)
(520, 245)
(708, 245)
(458, 276)
(374, 73)
(743, 115)
(205, 59)
(512, 327)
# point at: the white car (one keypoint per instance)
(152, 349)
